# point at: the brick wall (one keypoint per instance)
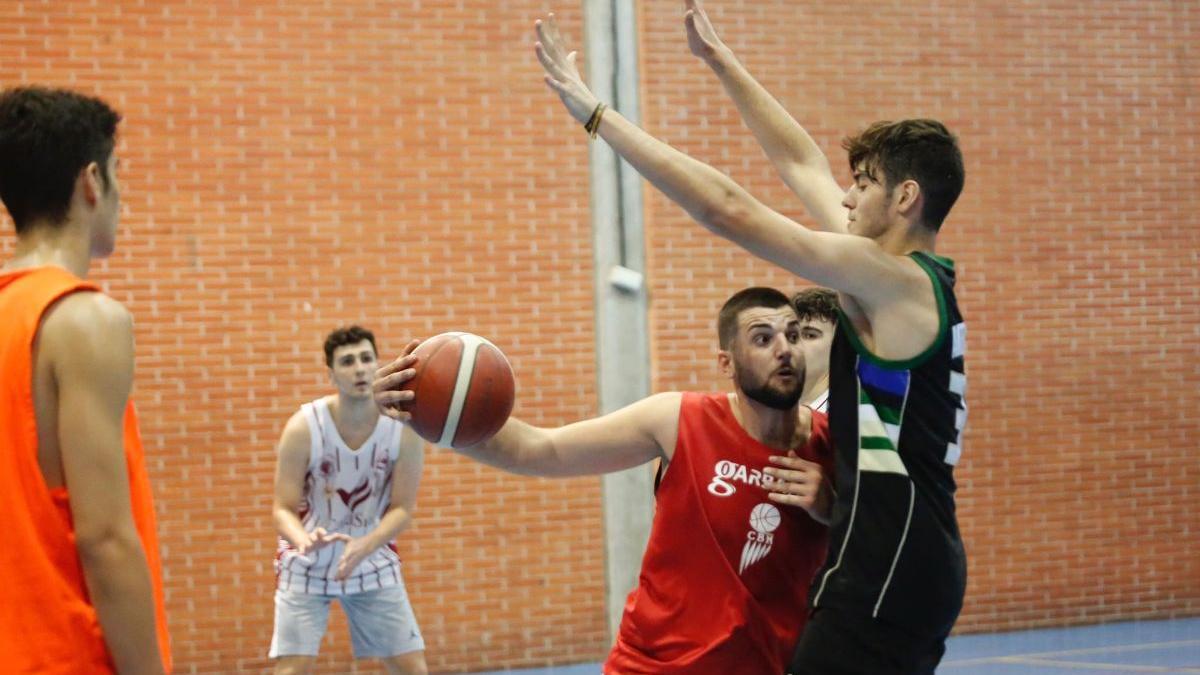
(289, 167)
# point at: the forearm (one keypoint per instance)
(396, 520)
(785, 142)
(708, 195)
(118, 580)
(288, 525)
(518, 448)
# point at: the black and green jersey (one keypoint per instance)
(895, 551)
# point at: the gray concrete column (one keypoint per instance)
(622, 301)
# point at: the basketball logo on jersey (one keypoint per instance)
(764, 520)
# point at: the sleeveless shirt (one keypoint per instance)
(895, 550)
(725, 566)
(345, 490)
(47, 621)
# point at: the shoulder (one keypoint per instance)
(701, 398)
(820, 423)
(661, 408)
(88, 335)
(296, 434)
(406, 438)
(717, 404)
(408, 452)
(87, 314)
(666, 398)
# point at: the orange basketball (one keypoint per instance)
(463, 390)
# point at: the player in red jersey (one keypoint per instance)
(737, 533)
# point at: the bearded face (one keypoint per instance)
(768, 357)
(779, 389)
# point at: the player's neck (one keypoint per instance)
(770, 426)
(353, 413)
(815, 388)
(904, 239)
(67, 246)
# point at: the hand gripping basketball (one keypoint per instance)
(458, 394)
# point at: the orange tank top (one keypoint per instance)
(47, 622)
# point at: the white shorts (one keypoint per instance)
(381, 621)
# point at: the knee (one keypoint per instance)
(418, 668)
(408, 665)
(293, 666)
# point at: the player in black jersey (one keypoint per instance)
(895, 576)
(894, 580)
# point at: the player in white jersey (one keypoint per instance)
(818, 311)
(345, 487)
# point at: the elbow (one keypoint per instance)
(407, 513)
(108, 546)
(726, 214)
(281, 517)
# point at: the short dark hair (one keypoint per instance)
(918, 149)
(47, 136)
(747, 298)
(347, 335)
(816, 302)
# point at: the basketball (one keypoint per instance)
(463, 390)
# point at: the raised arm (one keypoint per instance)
(797, 158)
(88, 338)
(851, 264)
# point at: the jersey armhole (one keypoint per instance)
(916, 361)
(314, 434)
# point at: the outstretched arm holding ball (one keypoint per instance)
(460, 396)
(636, 434)
(629, 437)
(743, 494)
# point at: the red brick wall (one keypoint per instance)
(289, 167)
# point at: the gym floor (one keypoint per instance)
(1133, 647)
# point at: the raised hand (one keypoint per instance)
(562, 75)
(388, 381)
(702, 37)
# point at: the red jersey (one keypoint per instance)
(47, 622)
(725, 578)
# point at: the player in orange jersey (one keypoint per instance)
(82, 589)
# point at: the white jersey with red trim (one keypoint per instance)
(345, 490)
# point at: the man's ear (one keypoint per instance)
(908, 197)
(725, 363)
(92, 183)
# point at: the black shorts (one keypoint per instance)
(837, 642)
